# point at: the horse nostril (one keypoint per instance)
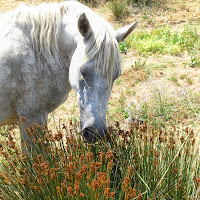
(88, 135)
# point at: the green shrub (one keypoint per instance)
(123, 47)
(194, 62)
(120, 9)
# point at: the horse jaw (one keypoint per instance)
(122, 33)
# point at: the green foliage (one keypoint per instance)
(174, 79)
(194, 62)
(189, 37)
(141, 161)
(120, 9)
(164, 40)
(123, 47)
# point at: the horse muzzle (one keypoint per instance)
(92, 134)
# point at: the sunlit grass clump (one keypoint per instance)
(140, 162)
(164, 40)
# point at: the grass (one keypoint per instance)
(188, 79)
(194, 62)
(123, 47)
(120, 9)
(174, 79)
(139, 162)
(140, 72)
(163, 40)
(159, 110)
(160, 104)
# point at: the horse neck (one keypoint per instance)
(67, 42)
(61, 50)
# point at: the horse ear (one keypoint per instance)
(84, 26)
(122, 33)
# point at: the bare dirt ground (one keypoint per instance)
(175, 13)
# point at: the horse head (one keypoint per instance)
(95, 65)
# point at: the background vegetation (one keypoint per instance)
(152, 149)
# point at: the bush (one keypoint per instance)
(140, 162)
(120, 9)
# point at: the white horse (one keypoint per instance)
(47, 50)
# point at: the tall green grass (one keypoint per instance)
(139, 162)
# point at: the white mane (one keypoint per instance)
(46, 20)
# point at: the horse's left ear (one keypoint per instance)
(84, 26)
(122, 33)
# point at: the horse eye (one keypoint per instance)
(82, 79)
(81, 82)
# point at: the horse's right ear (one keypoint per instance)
(84, 26)
(122, 33)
